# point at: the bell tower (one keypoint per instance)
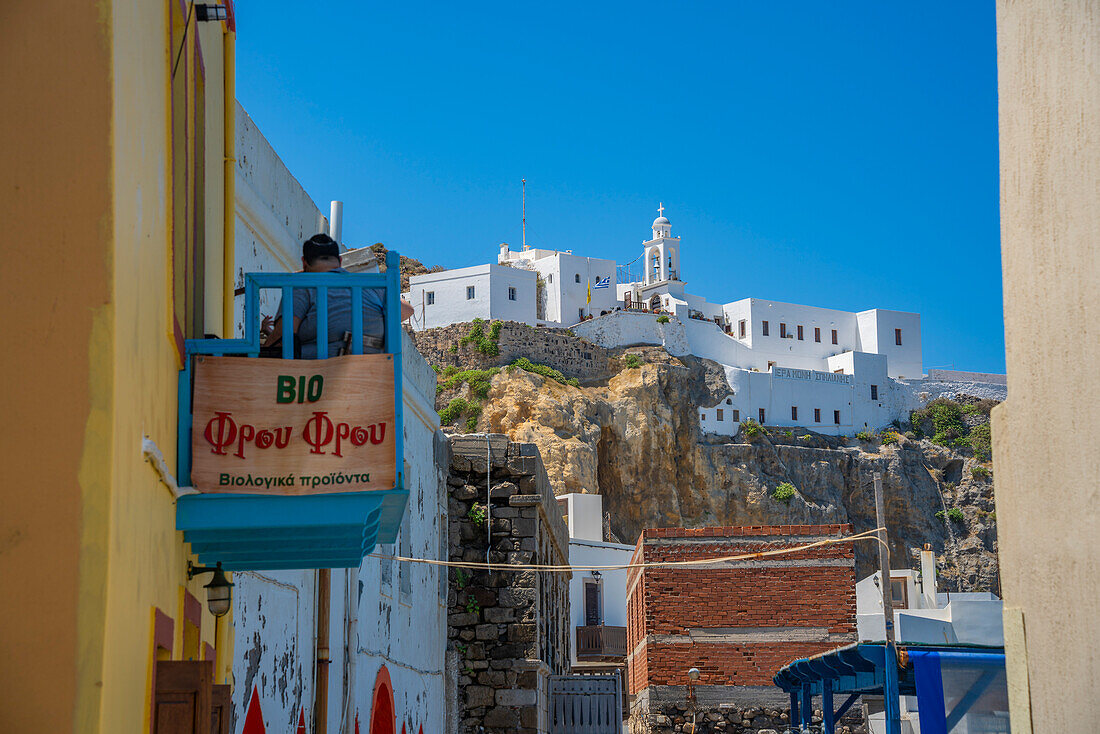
(662, 253)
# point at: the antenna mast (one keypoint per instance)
(524, 213)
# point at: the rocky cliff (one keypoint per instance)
(635, 439)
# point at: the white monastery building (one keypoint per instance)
(834, 372)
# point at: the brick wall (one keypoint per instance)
(739, 621)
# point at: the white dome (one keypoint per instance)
(659, 221)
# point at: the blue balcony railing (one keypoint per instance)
(256, 531)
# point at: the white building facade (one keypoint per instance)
(479, 292)
(568, 281)
(834, 372)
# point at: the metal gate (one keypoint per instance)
(585, 704)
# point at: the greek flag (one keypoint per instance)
(605, 283)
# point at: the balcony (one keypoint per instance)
(291, 463)
(601, 643)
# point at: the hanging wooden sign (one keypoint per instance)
(293, 426)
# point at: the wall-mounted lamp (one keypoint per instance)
(693, 675)
(219, 592)
(596, 575)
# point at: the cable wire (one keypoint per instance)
(472, 565)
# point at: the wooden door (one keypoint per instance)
(221, 706)
(182, 703)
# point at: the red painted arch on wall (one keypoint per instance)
(383, 717)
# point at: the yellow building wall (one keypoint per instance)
(88, 546)
(1044, 437)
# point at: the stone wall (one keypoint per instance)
(557, 348)
(667, 717)
(508, 630)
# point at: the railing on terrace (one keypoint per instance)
(271, 530)
(601, 642)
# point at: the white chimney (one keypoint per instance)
(928, 576)
(336, 221)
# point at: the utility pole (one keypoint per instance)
(890, 684)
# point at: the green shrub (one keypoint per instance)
(941, 516)
(461, 579)
(453, 349)
(981, 441)
(476, 336)
(946, 421)
(436, 368)
(540, 369)
(788, 434)
(956, 515)
(888, 438)
(472, 607)
(454, 410)
(784, 492)
(980, 472)
(632, 361)
(751, 428)
(865, 436)
(806, 437)
(471, 424)
(476, 513)
(949, 486)
(662, 319)
(494, 330)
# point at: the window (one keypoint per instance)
(577, 278)
(736, 417)
(580, 314)
(836, 417)
(741, 329)
(817, 334)
(702, 416)
(794, 412)
(899, 592)
(430, 298)
(800, 332)
(761, 415)
(874, 392)
(764, 328)
(719, 414)
(469, 293)
(511, 294)
(817, 415)
(592, 615)
(897, 337)
(782, 330)
(834, 336)
(550, 278)
(770, 365)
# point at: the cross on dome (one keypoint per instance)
(661, 209)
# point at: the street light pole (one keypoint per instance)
(890, 687)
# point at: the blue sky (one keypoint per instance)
(833, 154)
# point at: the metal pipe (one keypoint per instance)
(890, 684)
(320, 694)
(229, 64)
(336, 220)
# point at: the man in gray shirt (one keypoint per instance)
(321, 254)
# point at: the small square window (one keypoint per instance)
(897, 337)
(719, 414)
(764, 328)
(469, 293)
(834, 336)
(836, 417)
(511, 294)
(736, 416)
(817, 334)
(817, 415)
(874, 392)
(577, 278)
(762, 416)
(430, 296)
(770, 366)
(794, 412)
(800, 332)
(702, 416)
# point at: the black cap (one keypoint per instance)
(319, 245)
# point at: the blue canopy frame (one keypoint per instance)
(876, 668)
(254, 532)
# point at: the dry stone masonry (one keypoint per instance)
(507, 629)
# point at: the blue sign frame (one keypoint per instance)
(260, 532)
